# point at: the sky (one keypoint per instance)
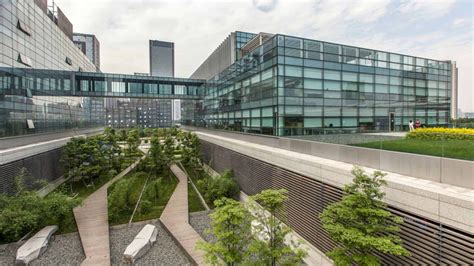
(437, 29)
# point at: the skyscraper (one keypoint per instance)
(161, 58)
(89, 45)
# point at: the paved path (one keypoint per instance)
(175, 218)
(93, 224)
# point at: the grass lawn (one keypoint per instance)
(456, 149)
(194, 203)
(201, 186)
(138, 180)
(166, 189)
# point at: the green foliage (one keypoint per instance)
(119, 198)
(191, 150)
(152, 191)
(222, 186)
(269, 247)
(24, 182)
(231, 227)
(133, 141)
(145, 206)
(438, 133)
(89, 158)
(27, 212)
(169, 151)
(194, 202)
(361, 223)
(122, 135)
(156, 160)
(147, 132)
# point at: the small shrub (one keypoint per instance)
(438, 133)
(222, 186)
(28, 211)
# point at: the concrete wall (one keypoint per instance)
(437, 169)
(38, 154)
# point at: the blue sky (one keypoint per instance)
(438, 29)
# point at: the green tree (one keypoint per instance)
(361, 223)
(111, 149)
(119, 199)
(122, 135)
(155, 159)
(222, 186)
(133, 141)
(191, 151)
(148, 132)
(231, 227)
(269, 247)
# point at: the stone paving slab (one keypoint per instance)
(175, 218)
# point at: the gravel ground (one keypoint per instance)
(164, 252)
(200, 221)
(67, 249)
(62, 250)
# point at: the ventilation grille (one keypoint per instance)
(43, 166)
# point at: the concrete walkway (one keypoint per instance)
(175, 218)
(93, 224)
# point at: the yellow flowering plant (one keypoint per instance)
(439, 133)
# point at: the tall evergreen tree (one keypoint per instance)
(231, 228)
(361, 223)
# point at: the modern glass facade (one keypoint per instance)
(285, 86)
(39, 101)
(296, 86)
(241, 38)
(34, 36)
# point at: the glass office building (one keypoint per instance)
(296, 86)
(35, 36)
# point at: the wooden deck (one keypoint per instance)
(93, 224)
(175, 218)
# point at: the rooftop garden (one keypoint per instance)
(456, 143)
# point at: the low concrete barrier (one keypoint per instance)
(437, 169)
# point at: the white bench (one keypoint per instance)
(142, 242)
(35, 246)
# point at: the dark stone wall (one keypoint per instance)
(44, 166)
(430, 242)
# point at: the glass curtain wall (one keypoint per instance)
(296, 86)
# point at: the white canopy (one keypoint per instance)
(35, 246)
(142, 242)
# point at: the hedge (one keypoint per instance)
(438, 133)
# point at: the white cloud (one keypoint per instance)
(265, 5)
(425, 9)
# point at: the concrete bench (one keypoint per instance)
(142, 242)
(35, 246)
